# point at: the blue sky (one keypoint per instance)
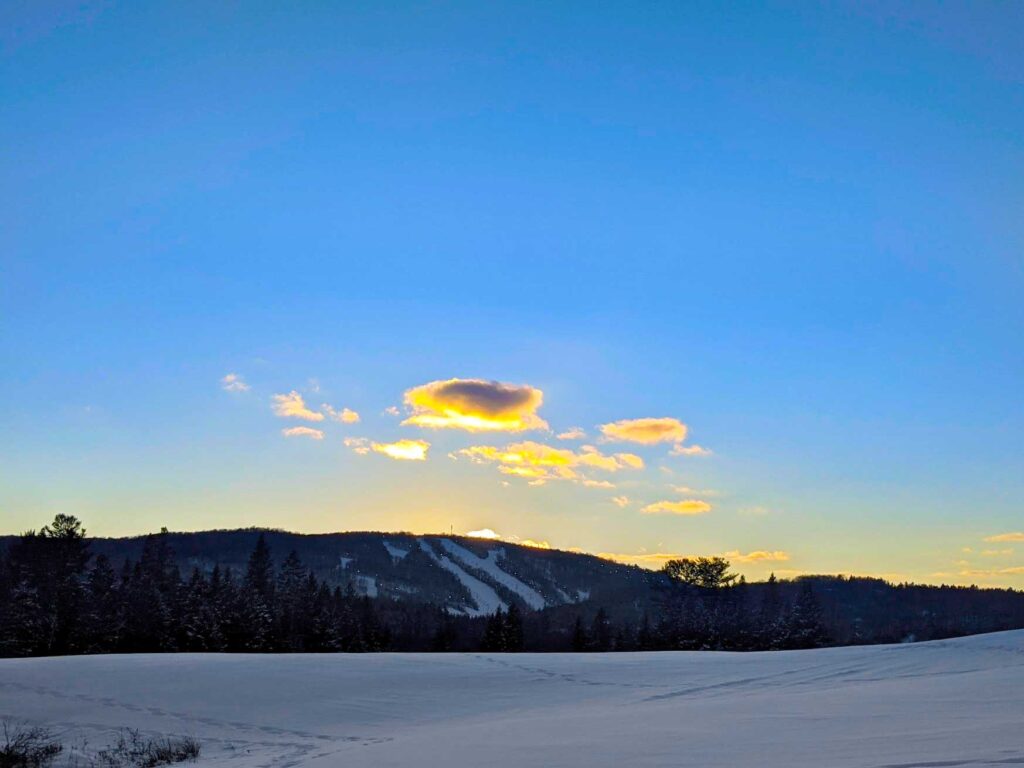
(796, 228)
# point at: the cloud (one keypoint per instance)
(684, 507)
(689, 450)
(1016, 570)
(475, 405)
(658, 559)
(996, 552)
(233, 382)
(315, 434)
(621, 501)
(490, 534)
(345, 415)
(292, 406)
(688, 491)
(572, 433)
(359, 445)
(392, 410)
(540, 463)
(757, 556)
(1015, 536)
(646, 431)
(403, 450)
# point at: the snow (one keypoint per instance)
(954, 703)
(367, 585)
(397, 553)
(485, 598)
(344, 562)
(489, 565)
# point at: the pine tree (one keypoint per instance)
(512, 629)
(579, 636)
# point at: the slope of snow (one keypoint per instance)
(486, 599)
(955, 703)
(397, 553)
(489, 565)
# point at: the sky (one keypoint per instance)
(642, 279)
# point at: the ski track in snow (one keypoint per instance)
(397, 553)
(485, 598)
(489, 565)
(946, 704)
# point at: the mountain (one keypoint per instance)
(470, 577)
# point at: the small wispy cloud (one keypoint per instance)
(233, 382)
(646, 431)
(572, 433)
(621, 501)
(392, 410)
(684, 507)
(345, 415)
(689, 450)
(292, 406)
(358, 445)
(314, 434)
(1003, 537)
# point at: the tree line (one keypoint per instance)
(57, 598)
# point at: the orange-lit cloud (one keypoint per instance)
(757, 556)
(315, 434)
(490, 534)
(292, 406)
(483, 533)
(684, 507)
(572, 433)
(345, 415)
(689, 450)
(403, 450)
(646, 431)
(233, 382)
(475, 405)
(620, 501)
(658, 559)
(1014, 536)
(539, 462)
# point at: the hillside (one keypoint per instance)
(948, 703)
(471, 577)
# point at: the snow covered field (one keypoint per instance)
(947, 703)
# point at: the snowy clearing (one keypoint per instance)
(945, 703)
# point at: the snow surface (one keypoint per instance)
(955, 703)
(489, 565)
(397, 553)
(485, 598)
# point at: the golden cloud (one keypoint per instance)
(684, 507)
(475, 405)
(572, 433)
(491, 534)
(620, 501)
(1014, 536)
(483, 533)
(233, 382)
(292, 406)
(403, 450)
(539, 462)
(646, 431)
(315, 434)
(345, 415)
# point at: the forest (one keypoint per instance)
(57, 598)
